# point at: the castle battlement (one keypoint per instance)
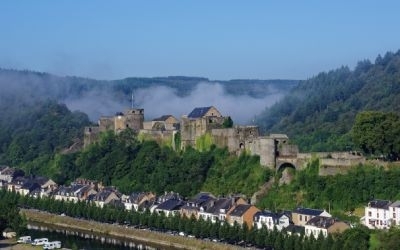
(199, 122)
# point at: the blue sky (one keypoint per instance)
(214, 39)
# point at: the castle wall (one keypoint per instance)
(90, 135)
(106, 123)
(226, 137)
(161, 137)
(191, 129)
(287, 150)
(134, 119)
(235, 139)
(265, 148)
(148, 125)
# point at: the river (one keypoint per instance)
(78, 239)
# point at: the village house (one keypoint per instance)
(294, 230)
(394, 211)
(105, 196)
(64, 193)
(377, 214)
(300, 216)
(8, 174)
(271, 220)
(200, 203)
(16, 184)
(137, 200)
(170, 207)
(47, 186)
(242, 214)
(324, 225)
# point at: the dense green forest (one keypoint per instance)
(319, 113)
(36, 132)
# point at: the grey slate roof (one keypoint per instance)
(221, 203)
(308, 211)
(295, 229)
(198, 112)
(170, 205)
(239, 210)
(379, 204)
(266, 213)
(322, 222)
(162, 118)
(395, 204)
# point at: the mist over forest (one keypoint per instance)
(241, 99)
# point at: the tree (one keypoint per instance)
(377, 132)
(228, 122)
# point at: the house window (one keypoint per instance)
(369, 213)
(301, 217)
(377, 215)
(394, 215)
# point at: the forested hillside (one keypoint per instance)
(32, 133)
(339, 193)
(122, 161)
(319, 113)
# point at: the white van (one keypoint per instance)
(52, 245)
(24, 239)
(39, 242)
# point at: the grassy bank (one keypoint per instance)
(120, 231)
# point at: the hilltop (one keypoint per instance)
(319, 113)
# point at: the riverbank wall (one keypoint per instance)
(150, 237)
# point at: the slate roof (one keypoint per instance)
(170, 205)
(379, 204)
(30, 185)
(162, 118)
(103, 195)
(295, 229)
(239, 210)
(308, 211)
(3, 167)
(267, 213)
(167, 196)
(222, 203)
(321, 222)
(395, 204)
(41, 180)
(199, 112)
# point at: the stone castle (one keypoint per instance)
(201, 121)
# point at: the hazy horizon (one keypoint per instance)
(218, 40)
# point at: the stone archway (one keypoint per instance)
(285, 172)
(284, 165)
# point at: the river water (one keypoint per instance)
(77, 239)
